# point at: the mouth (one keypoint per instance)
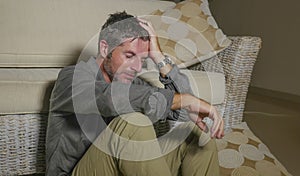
(129, 76)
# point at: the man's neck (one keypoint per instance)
(101, 66)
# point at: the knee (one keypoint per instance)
(136, 119)
(132, 137)
(134, 126)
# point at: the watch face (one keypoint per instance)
(166, 61)
(161, 64)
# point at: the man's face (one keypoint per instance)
(126, 60)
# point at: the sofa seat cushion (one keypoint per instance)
(26, 90)
(51, 33)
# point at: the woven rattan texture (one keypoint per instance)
(237, 63)
(22, 142)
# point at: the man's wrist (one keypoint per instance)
(165, 61)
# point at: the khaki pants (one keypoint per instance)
(129, 147)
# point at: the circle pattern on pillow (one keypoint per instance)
(251, 152)
(221, 144)
(185, 49)
(265, 150)
(236, 138)
(177, 31)
(250, 135)
(190, 30)
(230, 158)
(244, 171)
(240, 155)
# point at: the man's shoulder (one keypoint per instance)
(68, 71)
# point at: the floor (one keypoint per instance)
(276, 122)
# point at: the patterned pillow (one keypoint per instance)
(242, 153)
(188, 32)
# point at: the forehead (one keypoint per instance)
(137, 45)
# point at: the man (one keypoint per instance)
(105, 91)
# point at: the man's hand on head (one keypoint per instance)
(154, 49)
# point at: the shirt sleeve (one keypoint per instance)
(178, 82)
(122, 98)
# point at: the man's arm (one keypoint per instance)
(197, 108)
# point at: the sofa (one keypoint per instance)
(38, 38)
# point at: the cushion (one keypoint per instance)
(188, 32)
(26, 90)
(51, 33)
(242, 153)
(205, 85)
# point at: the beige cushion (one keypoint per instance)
(188, 32)
(26, 90)
(51, 33)
(205, 85)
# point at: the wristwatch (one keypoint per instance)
(166, 61)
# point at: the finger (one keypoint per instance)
(220, 133)
(198, 121)
(202, 125)
(145, 22)
(216, 126)
(147, 25)
(142, 20)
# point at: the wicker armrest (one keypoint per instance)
(236, 62)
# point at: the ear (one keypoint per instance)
(103, 48)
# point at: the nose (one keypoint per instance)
(137, 64)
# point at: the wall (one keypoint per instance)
(278, 24)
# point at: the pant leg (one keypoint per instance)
(128, 146)
(193, 160)
(95, 162)
(200, 160)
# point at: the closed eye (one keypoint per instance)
(129, 56)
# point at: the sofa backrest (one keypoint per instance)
(51, 33)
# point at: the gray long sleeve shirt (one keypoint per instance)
(83, 103)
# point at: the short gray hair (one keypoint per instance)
(118, 27)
